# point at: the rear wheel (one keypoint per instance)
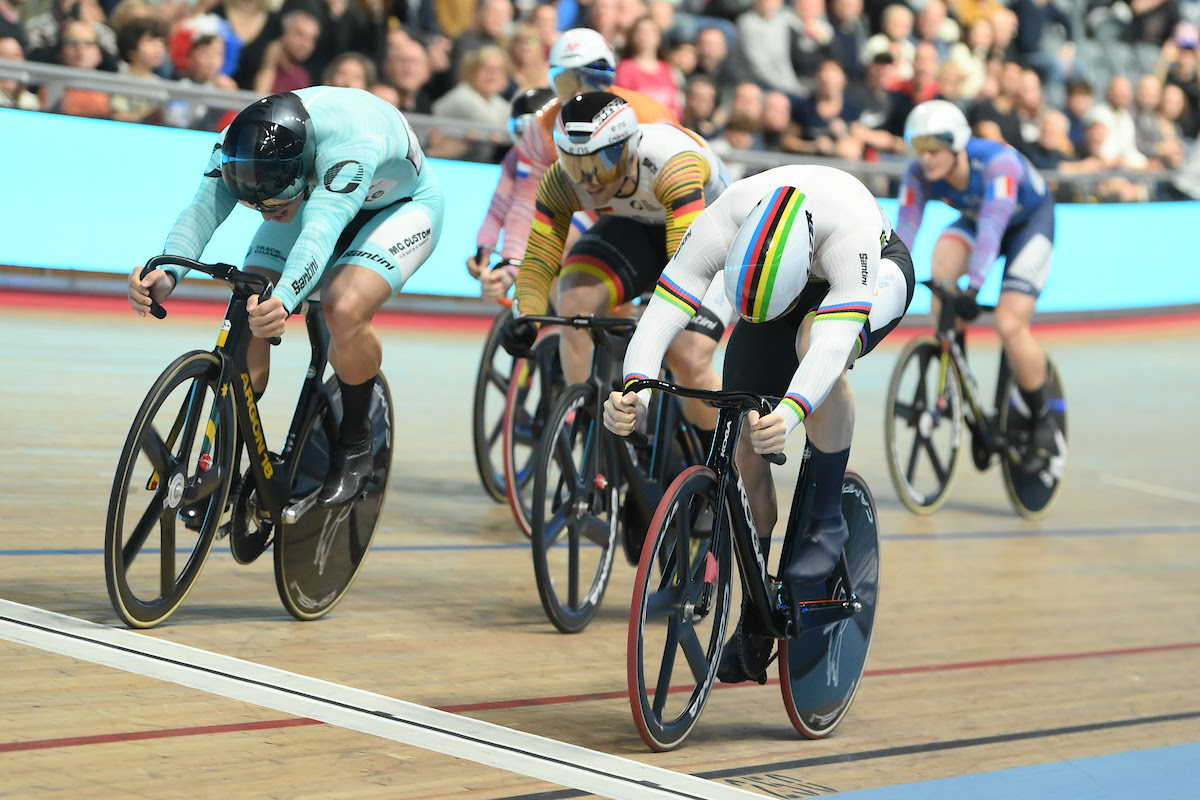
(179, 454)
(923, 426)
(679, 611)
(491, 392)
(575, 515)
(1032, 494)
(819, 671)
(318, 557)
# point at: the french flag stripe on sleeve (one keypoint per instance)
(907, 197)
(1003, 188)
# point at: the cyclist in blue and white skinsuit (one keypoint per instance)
(1007, 210)
(349, 205)
(809, 261)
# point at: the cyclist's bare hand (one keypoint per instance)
(477, 264)
(496, 284)
(155, 286)
(623, 412)
(767, 434)
(266, 319)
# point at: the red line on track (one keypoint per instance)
(295, 722)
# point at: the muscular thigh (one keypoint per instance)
(952, 253)
(624, 255)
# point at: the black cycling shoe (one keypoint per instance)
(350, 469)
(745, 657)
(192, 514)
(817, 551)
(1042, 445)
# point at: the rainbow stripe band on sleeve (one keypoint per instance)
(668, 290)
(845, 312)
(634, 376)
(763, 256)
(798, 404)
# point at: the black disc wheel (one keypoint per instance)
(820, 671)
(318, 556)
(923, 426)
(177, 460)
(574, 513)
(1033, 493)
(679, 610)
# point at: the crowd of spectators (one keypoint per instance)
(1078, 86)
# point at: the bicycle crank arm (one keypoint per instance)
(813, 614)
(293, 513)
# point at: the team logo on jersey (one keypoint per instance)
(650, 165)
(344, 177)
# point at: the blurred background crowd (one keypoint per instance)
(1078, 86)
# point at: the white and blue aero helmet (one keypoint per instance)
(581, 60)
(767, 266)
(940, 121)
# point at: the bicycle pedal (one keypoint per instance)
(224, 530)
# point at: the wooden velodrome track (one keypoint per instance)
(999, 643)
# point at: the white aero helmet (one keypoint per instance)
(767, 266)
(937, 124)
(593, 135)
(581, 61)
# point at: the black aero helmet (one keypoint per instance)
(267, 153)
(525, 108)
(594, 134)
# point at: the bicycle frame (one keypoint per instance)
(776, 618)
(271, 473)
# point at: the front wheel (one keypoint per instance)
(178, 457)
(680, 609)
(574, 519)
(1032, 494)
(820, 671)
(487, 418)
(923, 426)
(318, 557)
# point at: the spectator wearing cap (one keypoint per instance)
(205, 59)
(895, 37)
(880, 126)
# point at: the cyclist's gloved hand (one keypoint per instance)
(267, 318)
(518, 336)
(966, 306)
(497, 282)
(477, 264)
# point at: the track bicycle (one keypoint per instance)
(488, 407)
(179, 475)
(933, 392)
(681, 597)
(592, 488)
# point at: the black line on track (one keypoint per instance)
(905, 750)
(350, 707)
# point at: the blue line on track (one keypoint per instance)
(1052, 533)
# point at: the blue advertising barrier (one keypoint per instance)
(100, 196)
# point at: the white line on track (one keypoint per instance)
(1151, 488)
(354, 709)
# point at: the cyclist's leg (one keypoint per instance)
(951, 258)
(1029, 251)
(381, 256)
(596, 277)
(267, 256)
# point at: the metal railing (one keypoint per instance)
(879, 175)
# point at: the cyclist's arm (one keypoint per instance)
(837, 329)
(536, 149)
(1001, 180)
(327, 213)
(197, 222)
(912, 206)
(680, 189)
(493, 221)
(677, 297)
(556, 202)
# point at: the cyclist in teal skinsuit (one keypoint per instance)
(349, 205)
